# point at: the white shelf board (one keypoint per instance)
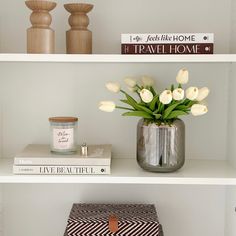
(126, 171)
(106, 58)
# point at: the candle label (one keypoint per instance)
(63, 138)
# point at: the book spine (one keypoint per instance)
(61, 170)
(33, 161)
(167, 38)
(201, 48)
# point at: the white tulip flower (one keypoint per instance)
(147, 81)
(192, 93)
(146, 95)
(130, 82)
(182, 76)
(198, 109)
(202, 94)
(166, 97)
(132, 90)
(113, 87)
(107, 106)
(178, 94)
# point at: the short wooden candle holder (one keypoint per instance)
(40, 37)
(78, 38)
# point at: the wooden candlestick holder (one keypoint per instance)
(78, 38)
(40, 37)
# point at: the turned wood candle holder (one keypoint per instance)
(78, 38)
(40, 37)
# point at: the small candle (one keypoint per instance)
(63, 134)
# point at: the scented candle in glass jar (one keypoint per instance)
(63, 134)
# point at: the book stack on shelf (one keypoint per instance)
(37, 159)
(168, 43)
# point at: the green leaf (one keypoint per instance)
(137, 106)
(129, 98)
(143, 108)
(131, 101)
(130, 104)
(190, 103)
(142, 103)
(157, 116)
(153, 102)
(139, 114)
(156, 111)
(159, 109)
(182, 108)
(169, 109)
(186, 101)
(125, 101)
(153, 91)
(175, 114)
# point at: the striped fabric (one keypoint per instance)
(133, 220)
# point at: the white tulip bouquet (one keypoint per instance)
(160, 108)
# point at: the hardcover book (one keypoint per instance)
(61, 170)
(200, 48)
(40, 154)
(164, 38)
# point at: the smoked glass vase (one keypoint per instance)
(161, 148)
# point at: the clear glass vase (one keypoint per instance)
(161, 148)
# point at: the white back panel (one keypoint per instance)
(32, 92)
(110, 18)
(230, 219)
(43, 209)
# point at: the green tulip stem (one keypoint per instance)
(139, 95)
(124, 108)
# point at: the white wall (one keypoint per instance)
(230, 228)
(36, 210)
(230, 203)
(232, 96)
(233, 29)
(232, 116)
(110, 18)
(1, 211)
(32, 92)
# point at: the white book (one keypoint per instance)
(40, 154)
(61, 170)
(167, 38)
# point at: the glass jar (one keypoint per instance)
(63, 134)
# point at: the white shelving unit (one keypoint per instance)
(126, 171)
(115, 58)
(199, 199)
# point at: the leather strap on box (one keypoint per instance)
(113, 223)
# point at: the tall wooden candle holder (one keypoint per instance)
(78, 38)
(40, 37)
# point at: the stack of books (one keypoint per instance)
(37, 159)
(167, 43)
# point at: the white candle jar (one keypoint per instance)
(63, 134)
